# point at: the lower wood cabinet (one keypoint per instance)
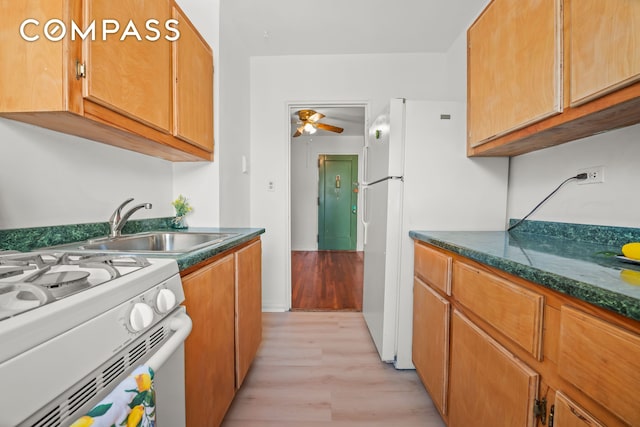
(209, 349)
(248, 307)
(569, 414)
(224, 300)
(502, 351)
(603, 360)
(489, 386)
(431, 341)
(512, 310)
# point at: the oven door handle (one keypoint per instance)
(181, 325)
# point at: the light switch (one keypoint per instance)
(244, 164)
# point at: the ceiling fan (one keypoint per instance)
(309, 123)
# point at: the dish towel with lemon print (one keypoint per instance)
(132, 404)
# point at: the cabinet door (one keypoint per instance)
(488, 386)
(586, 345)
(514, 67)
(193, 90)
(605, 47)
(32, 72)
(248, 307)
(209, 349)
(131, 77)
(569, 414)
(431, 341)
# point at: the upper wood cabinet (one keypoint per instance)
(604, 43)
(514, 67)
(541, 73)
(193, 76)
(110, 87)
(131, 77)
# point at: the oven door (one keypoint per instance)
(161, 348)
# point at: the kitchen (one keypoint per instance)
(224, 195)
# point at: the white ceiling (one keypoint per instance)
(297, 27)
(332, 27)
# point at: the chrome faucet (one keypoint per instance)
(117, 220)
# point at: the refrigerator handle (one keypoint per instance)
(365, 224)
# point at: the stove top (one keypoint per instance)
(31, 280)
(44, 294)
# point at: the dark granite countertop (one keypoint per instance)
(30, 239)
(583, 269)
(192, 258)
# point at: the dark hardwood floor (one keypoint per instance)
(326, 280)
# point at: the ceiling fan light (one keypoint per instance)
(309, 128)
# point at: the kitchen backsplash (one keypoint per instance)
(600, 234)
(27, 239)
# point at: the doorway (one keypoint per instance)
(337, 202)
(326, 251)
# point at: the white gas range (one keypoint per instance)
(73, 324)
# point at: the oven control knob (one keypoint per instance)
(141, 316)
(165, 300)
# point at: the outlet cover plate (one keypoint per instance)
(595, 175)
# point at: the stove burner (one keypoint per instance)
(16, 298)
(60, 278)
(30, 280)
(10, 271)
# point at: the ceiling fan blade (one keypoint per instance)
(315, 117)
(328, 127)
(298, 132)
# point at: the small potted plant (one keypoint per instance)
(182, 208)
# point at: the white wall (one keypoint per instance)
(614, 202)
(276, 81)
(49, 178)
(304, 185)
(233, 121)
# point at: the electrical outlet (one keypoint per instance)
(271, 186)
(595, 175)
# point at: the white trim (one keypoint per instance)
(289, 105)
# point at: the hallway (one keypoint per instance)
(322, 369)
(326, 280)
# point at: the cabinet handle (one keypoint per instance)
(81, 70)
(580, 416)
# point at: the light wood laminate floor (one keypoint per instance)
(322, 369)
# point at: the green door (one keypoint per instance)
(337, 202)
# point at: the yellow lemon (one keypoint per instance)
(631, 277)
(631, 250)
(135, 416)
(85, 421)
(144, 382)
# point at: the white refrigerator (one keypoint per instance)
(418, 177)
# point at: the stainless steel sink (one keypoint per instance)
(157, 242)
